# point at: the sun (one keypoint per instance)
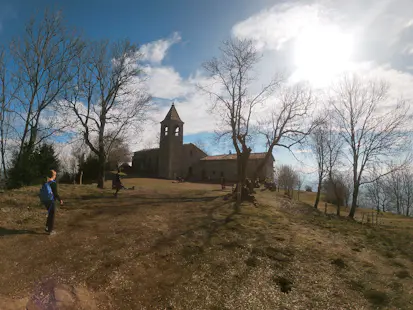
(321, 53)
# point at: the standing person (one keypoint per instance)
(48, 196)
(117, 183)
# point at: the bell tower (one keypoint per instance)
(171, 145)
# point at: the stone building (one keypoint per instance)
(173, 158)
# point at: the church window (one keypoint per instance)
(190, 153)
(166, 131)
(177, 131)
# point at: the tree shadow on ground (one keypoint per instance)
(208, 224)
(181, 199)
(8, 232)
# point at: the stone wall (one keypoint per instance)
(214, 169)
(191, 156)
(145, 163)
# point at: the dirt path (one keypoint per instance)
(183, 247)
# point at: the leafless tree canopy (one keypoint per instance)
(119, 151)
(393, 192)
(371, 134)
(326, 146)
(318, 144)
(6, 115)
(288, 179)
(289, 121)
(106, 95)
(44, 57)
(337, 190)
(234, 101)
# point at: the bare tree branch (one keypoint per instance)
(106, 96)
(233, 101)
(372, 136)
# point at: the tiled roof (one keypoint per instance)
(172, 114)
(233, 156)
(147, 150)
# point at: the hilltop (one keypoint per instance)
(181, 246)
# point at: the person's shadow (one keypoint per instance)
(7, 232)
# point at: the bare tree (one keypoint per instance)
(234, 101)
(326, 146)
(398, 189)
(372, 134)
(6, 115)
(43, 60)
(152, 143)
(288, 122)
(119, 152)
(199, 143)
(299, 184)
(336, 190)
(395, 183)
(377, 192)
(336, 180)
(287, 179)
(107, 96)
(318, 145)
(407, 191)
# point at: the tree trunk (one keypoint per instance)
(338, 209)
(3, 144)
(263, 162)
(81, 177)
(317, 197)
(101, 174)
(241, 170)
(3, 163)
(354, 201)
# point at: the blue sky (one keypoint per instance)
(306, 40)
(202, 24)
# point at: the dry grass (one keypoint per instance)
(388, 219)
(181, 246)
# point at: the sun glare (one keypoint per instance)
(321, 53)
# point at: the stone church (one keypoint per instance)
(174, 159)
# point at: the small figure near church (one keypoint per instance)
(222, 183)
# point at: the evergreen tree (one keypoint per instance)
(32, 166)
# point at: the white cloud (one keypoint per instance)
(165, 82)
(272, 28)
(274, 31)
(155, 52)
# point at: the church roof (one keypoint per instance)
(147, 150)
(172, 115)
(234, 156)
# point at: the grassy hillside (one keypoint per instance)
(181, 246)
(388, 219)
